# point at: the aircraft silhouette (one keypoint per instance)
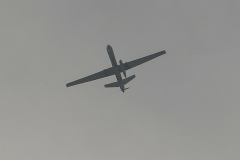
(116, 70)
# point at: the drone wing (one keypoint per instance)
(134, 63)
(95, 76)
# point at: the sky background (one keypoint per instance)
(183, 105)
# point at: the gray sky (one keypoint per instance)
(181, 106)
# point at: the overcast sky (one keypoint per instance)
(183, 105)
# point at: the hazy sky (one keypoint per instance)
(181, 106)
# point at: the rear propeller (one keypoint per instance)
(125, 89)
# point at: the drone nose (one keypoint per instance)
(109, 47)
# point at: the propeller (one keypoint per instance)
(125, 89)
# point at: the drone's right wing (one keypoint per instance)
(98, 75)
(134, 63)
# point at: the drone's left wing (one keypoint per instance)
(98, 75)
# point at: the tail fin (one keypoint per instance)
(114, 84)
(124, 81)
